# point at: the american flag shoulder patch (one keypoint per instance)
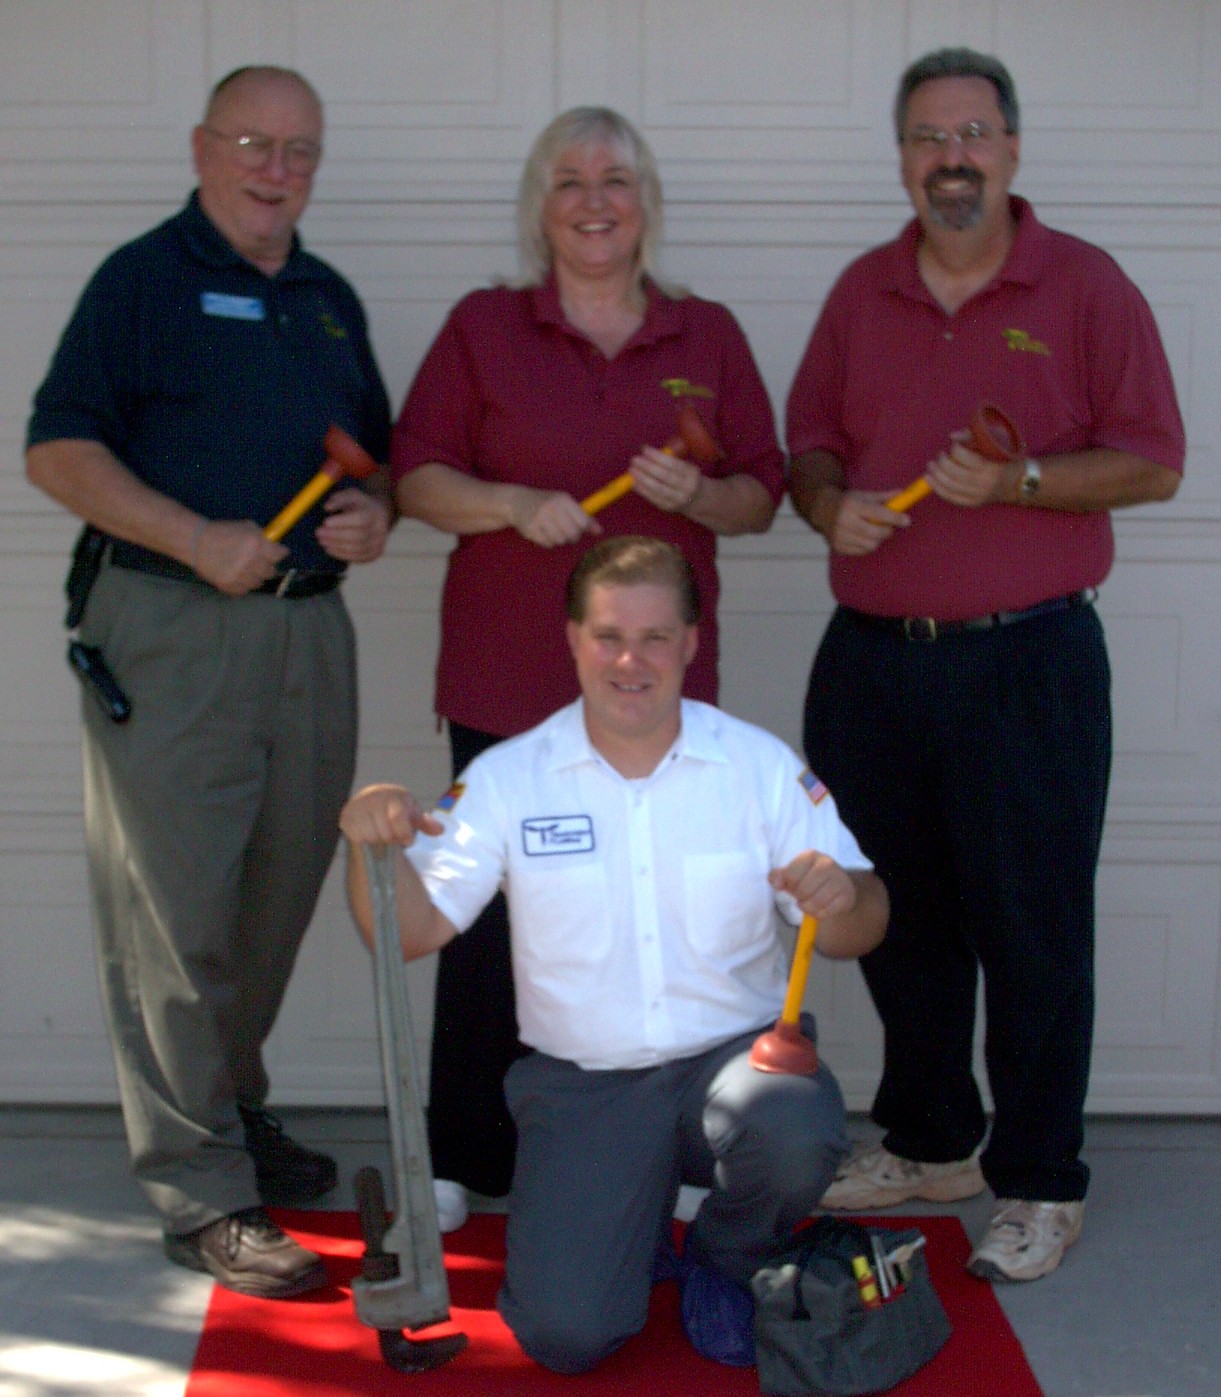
(452, 796)
(813, 787)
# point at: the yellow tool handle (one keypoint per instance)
(608, 494)
(298, 506)
(791, 1013)
(913, 494)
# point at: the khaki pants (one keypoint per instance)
(211, 819)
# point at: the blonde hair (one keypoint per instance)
(576, 127)
(630, 560)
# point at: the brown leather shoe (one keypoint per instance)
(248, 1253)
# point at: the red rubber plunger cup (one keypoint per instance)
(344, 457)
(785, 1048)
(994, 435)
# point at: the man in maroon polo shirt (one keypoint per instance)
(959, 701)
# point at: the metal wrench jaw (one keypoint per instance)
(406, 1355)
(388, 1301)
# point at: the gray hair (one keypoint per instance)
(583, 126)
(959, 63)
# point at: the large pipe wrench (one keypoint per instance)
(402, 1283)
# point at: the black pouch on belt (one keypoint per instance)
(86, 661)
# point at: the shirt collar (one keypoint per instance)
(698, 738)
(1022, 265)
(209, 245)
(662, 315)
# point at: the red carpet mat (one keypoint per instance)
(314, 1346)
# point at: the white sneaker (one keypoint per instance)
(453, 1204)
(872, 1177)
(1025, 1240)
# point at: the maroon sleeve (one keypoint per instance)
(439, 420)
(1132, 399)
(813, 419)
(746, 424)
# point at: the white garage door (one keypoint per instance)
(770, 119)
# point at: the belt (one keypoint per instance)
(291, 584)
(927, 628)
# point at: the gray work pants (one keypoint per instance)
(211, 820)
(600, 1157)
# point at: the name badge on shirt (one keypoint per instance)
(232, 307)
(557, 834)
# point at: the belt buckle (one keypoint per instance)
(921, 628)
(286, 582)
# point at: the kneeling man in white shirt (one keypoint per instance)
(651, 849)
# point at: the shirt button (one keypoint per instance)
(949, 334)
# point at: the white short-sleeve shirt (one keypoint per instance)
(643, 928)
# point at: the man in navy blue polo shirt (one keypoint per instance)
(186, 403)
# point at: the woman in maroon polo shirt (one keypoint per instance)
(532, 397)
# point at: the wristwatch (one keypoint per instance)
(1032, 478)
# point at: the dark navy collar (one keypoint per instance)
(209, 245)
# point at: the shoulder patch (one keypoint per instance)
(812, 786)
(451, 797)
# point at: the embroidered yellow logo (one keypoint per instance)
(332, 326)
(1021, 340)
(684, 388)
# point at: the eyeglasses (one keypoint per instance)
(970, 137)
(253, 151)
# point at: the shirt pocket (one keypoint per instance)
(728, 901)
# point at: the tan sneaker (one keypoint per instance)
(875, 1178)
(1025, 1240)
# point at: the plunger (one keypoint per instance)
(991, 433)
(344, 457)
(785, 1048)
(692, 439)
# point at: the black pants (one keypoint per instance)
(474, 1039)
(973, 770)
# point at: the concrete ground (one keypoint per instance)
(88, 1305)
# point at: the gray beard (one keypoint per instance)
(957, 212)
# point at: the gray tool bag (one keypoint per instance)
(845, 1310)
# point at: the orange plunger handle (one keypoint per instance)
(913, 494)
(608, 493)
(345, 457)
(800, 971)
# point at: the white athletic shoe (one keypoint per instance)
(872, 1177)
(1025, 1240)
(453, 1204)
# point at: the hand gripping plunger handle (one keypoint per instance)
(693, 439)
(991, 433)
(344, 457)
